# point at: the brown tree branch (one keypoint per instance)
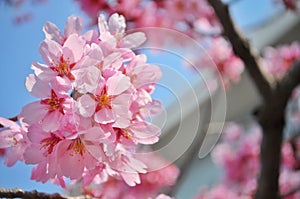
(242, 48)
(271, 117)
(19, 193)
(272, 120)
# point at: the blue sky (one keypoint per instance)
(19, 48)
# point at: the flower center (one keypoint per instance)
(63, 68)
(54, 103)
(77, 146)
(126, 134)
(50, 142)
(104, 101)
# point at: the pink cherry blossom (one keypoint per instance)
(109, 103)
(60, 60)
(73, 25)
(142, 75)
(13, 140)
(58, 151)
(113, 32)
(142, 132)
(49, 110)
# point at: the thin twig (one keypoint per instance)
(242, 48)
(19, 193)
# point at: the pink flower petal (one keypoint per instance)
(110, 59)
(15, 155)
(51, 121)
(37, 87)
(135, 164)
(74, 25)
(95, 53)
(133, 40)
(102, 24)
(86, 105)
(131, 178)
(73, 48)
(33, 112)
(71, 164)
(87, 79)
(116, 24)
(145, 133)
(104, 116)
(33, 155)
(9, 124)
(95, 151)
(117, 84)
(52, 32)
(43, 72)
(151, 109)
(39, 173)
(163, 196)
(144, 75)
(95, 134)
(50, 50)
(91, 36)
(6, 138)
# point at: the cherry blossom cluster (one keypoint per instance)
(94, 98)
(278, 60)
(195, 18)
(152, 182)
(238, 155)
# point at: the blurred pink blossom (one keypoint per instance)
(151, 182)
(276, 61)
(219, 55)
(239, 159)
